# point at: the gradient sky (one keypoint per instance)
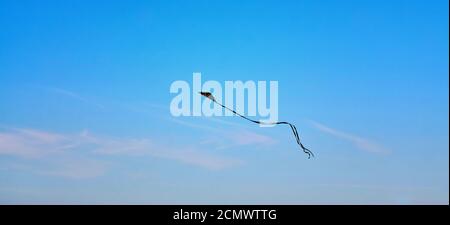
(84, 102)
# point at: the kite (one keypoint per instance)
(294, 129)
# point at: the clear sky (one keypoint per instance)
(84, 102)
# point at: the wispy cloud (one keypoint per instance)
(226, 138)
(59, 150)
(192, 125)
(359, 142)
(30, 143)
(238, 138)
(76, 96)
(60, 166)
(225, 122)
(146, 147)
(80, 168)
(248, 138)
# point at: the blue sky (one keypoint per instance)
(84, 102)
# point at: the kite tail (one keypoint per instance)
(294, 129)
(254, 121)
(297, 138)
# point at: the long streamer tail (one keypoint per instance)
(294, 129)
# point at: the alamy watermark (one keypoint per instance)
(261, 101)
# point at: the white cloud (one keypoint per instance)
(359, 142)
(76, 169)
(146, 147)
(221, 139)
(60, 150)
(30, 143)
(238, 138)
(247, 138)
(77, 97)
